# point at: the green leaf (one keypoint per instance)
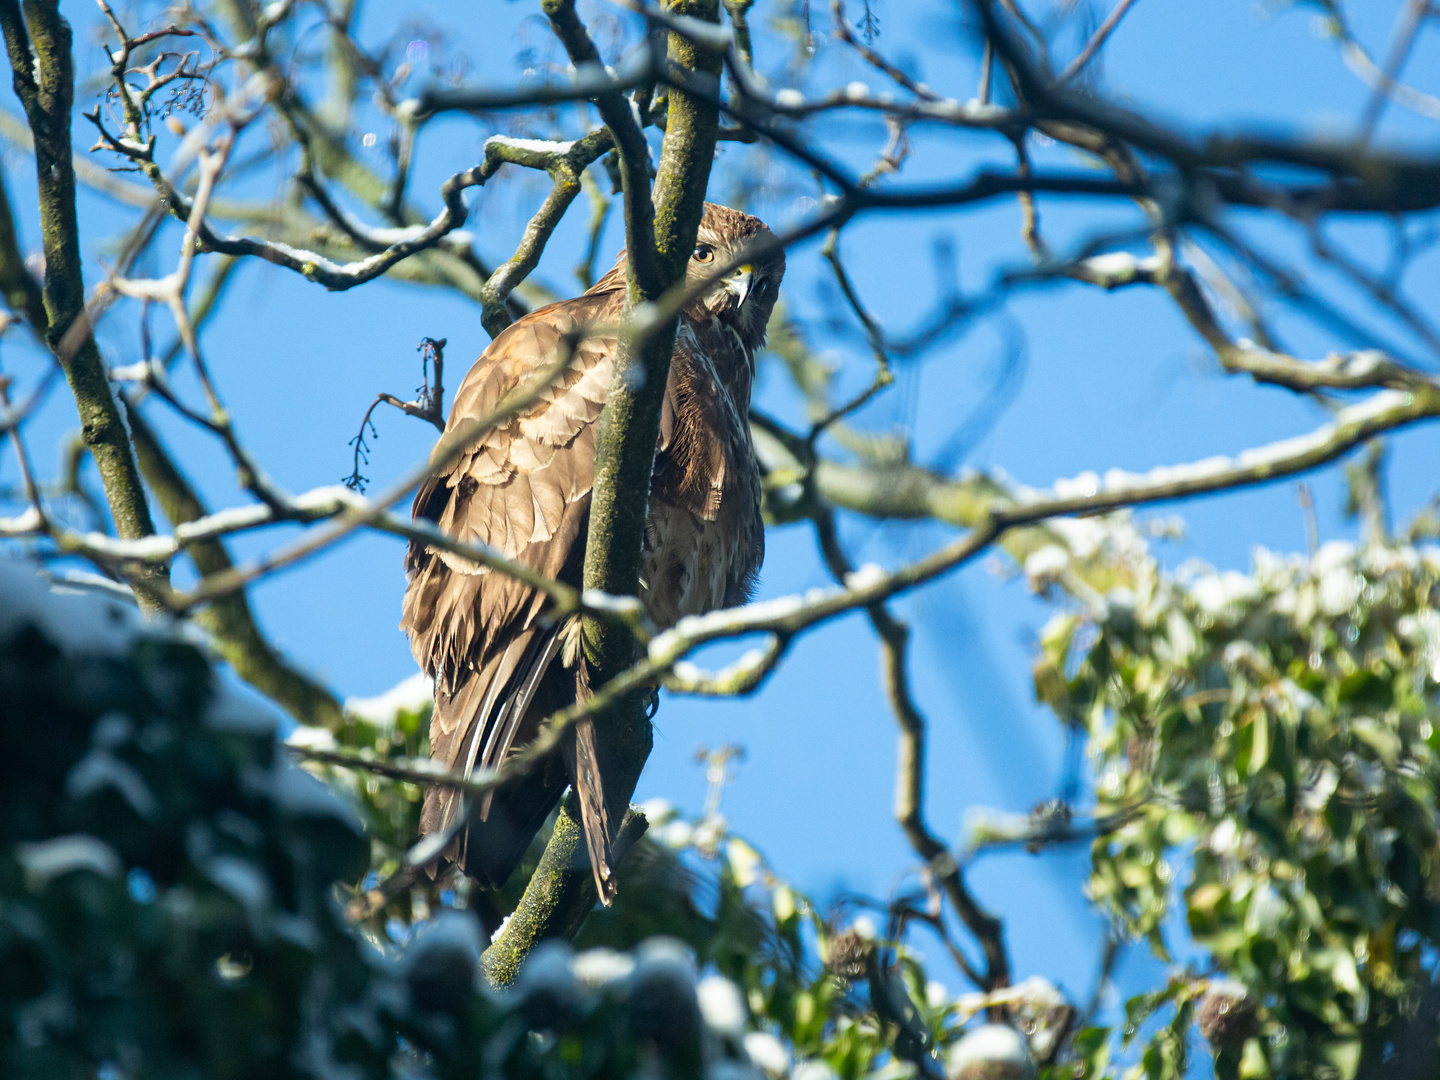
(1252, 743)
(1367, 689)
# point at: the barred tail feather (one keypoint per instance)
(590, 790)
(487, 716)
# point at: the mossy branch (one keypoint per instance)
(560, 894)
(660, 236)
(630, 424)
(38, 44)
(565, 164)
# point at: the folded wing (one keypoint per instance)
(524, 490)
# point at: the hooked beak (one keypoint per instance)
(739, 283)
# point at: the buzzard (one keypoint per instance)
(500, 665)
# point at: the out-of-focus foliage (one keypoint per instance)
(165, 873)
(394, 727)
(172, 890)
(172, 897)
(1263, 755)
(837, 989)
(820, 987)
(1264, 750)
(801, 990)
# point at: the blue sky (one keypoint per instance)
(1108, 380)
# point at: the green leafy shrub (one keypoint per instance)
(1265, 756)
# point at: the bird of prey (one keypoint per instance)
(500, 664)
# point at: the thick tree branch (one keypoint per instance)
(660, 237)
(560, 894)
(630, 144)
(44, 80)
(229, 620)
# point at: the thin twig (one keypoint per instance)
(1407, 29)
(429, 406)
(883, 375)
(22, 457)
(1098, 39)
(873, 57)
(894, 638)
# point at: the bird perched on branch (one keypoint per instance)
(501, 666)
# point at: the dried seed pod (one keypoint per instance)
(847, 954)
(1228, 1016)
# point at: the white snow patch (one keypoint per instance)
(1217, 592)
(312, 738)
(1044, 566)
(48, 859)
(547, 969)
(991, 1044)
(74, 621)
(84, 583)
(1119, 263)
(865, 926)
(241, 710)
(768, 1053)
(867, 577)
(667, 958)
(448, 930)
(1340, 587)
(240, 879)
(538, 146)
(676, 834)
(298, 793)
(410, 695)
(100, 769)
(599, 967)
(721, 1004)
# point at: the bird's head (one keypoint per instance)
(745, 297)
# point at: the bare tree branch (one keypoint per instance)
(894, 638)
(229, 619)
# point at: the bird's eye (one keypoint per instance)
(704, 254)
